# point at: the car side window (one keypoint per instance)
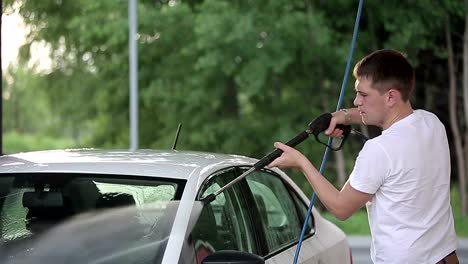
(278, 210)
(303, 210)
(224, 224)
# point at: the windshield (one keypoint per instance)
(31, 204)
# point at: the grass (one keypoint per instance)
(358, 223)
(355, 225)
(461, 222)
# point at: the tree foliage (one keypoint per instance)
(238, 75)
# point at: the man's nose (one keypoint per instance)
(356, 101)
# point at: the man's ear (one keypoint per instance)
(393, 96)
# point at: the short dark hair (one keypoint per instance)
(387, 69)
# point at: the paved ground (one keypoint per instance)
(360, 246)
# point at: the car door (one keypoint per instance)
(260, 214)
(225, 223)
(281, 213)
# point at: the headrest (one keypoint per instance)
(42, 199)
(114, 199)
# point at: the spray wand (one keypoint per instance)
(315, 127)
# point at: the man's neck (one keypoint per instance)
(398, 114)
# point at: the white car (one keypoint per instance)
(50, 202)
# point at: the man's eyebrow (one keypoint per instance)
(360, 92)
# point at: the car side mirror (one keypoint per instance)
(232, 256)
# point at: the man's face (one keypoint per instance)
(369, 101)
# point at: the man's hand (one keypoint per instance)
(290, 158)
(338, 117)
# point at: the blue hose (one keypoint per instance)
(330, 141)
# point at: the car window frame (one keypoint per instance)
(291, 193)
(247, 197)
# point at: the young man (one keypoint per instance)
(402, 176)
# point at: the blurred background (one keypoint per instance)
(238, 75)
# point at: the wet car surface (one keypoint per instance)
(94, 206)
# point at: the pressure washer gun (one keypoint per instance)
(315, 127)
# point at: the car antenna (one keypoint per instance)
(176, 136)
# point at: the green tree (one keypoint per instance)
(238, 75)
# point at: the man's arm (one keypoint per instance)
(342, 203)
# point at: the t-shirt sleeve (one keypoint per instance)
(371, 168)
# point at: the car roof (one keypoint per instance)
(156, 163)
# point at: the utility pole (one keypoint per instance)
(133, 38)
(1, 84)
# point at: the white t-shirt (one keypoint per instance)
(407, 168)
